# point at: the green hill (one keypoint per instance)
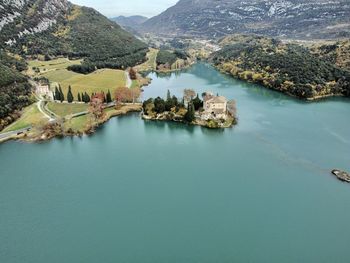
(288, 68)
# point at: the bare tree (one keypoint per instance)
(231, 108)
(96, 106)
(189, 94)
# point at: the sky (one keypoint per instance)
(111, 8)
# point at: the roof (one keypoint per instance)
(217, 99)
(218, 111)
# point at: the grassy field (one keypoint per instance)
(78, 124)
(52, 65)
(100, 80)
(81, 123)
(64, 109)
(56, 72)
(31, 116)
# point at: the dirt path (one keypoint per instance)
(128, 80)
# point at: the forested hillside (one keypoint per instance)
(57, 27)
(337, 53)
(288, 68)
(14, 89)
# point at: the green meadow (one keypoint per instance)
(99, 81)
(65, 109)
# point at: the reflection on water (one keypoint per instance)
(144, 191)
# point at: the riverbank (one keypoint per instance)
(283, 89)
(229, 122)
(83, 124)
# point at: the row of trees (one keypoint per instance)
(82, 97)
(58, 94)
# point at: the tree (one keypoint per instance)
(96, 108)
(61, 97)
(132, 74)
(70, 97)
(189, 94)
(108, 97)
(86, 98)
(57, 94)
(148, 106)
(159, 105)
(189, 116)
(79, 97)
(135, 93)
(197, 102)
(231, 108)
(168, 96)
(123, 94)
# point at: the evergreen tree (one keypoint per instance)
(197, 102)
(108, 97)
(56, 94)
(168, 96)
(189, 116)
(61, 94)
(70, 97)
(79, 97)
(87, 98)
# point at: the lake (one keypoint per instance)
(154, 192)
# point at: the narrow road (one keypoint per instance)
(40, 107)
(128, 80)
(7, 135)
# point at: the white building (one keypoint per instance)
(215, 107)
(44, 91)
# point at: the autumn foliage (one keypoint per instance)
(132, 74)
(96, 106)
(126, 95)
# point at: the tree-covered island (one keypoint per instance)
(211, 111)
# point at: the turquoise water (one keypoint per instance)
(161, 192)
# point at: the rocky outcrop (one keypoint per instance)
(28, 17)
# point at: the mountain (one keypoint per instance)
(57, 27)
(282, 18)
(129, 21)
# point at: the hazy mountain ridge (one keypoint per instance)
(294, 18)
(129, 21)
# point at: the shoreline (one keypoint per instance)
(306, 99)
(55, 130)
(210, 124)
